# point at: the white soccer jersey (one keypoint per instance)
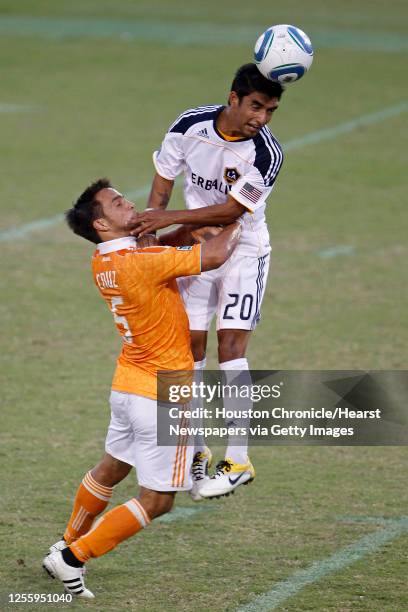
(214, 167)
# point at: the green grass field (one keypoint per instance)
(88, 89)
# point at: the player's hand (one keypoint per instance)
(151, 220)
(147, 240)
(202, 234)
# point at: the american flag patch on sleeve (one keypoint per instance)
(252, 193)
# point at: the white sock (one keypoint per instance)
(199, 440)
(237, 373)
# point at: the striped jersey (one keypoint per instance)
(214, 167)
(140, 289)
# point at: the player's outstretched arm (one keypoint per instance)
(187, 235)
(217, 214)
(160, 193)
(215, 252)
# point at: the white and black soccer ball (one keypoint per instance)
(283, 53)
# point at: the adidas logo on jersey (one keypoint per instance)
(203, 133)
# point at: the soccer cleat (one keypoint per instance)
(228, 476)
(71, 577)
(60, 545)
(199, 470)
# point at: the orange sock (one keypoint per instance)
(91, 499)
(117, 525)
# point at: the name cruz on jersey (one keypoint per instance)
(215, 167)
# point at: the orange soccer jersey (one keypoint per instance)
(140, 288)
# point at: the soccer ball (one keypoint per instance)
(283, 53)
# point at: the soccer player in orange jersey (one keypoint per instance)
(140, 289)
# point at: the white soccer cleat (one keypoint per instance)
(71, 577)
(228, 476)
(199, 470)
(60, 545)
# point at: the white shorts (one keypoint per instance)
(132, 438)
(234, 291)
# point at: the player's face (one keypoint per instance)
(252, 112)
(118, 213)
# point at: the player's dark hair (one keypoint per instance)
(248, 79)
(86, 209)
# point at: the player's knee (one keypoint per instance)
(110, 471)
(162, 507)
(156, 503)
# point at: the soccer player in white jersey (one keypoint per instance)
(230, 161)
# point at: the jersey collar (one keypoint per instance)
(219, 133)
(118, 244)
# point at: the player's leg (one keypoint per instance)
(200, 296)
(110, 471)
(117, 525)
(198, 348)
(238, 313)
(96, 488)
(156, 503)
(93, 495)
(202, 458)
(232, 346)
(236, 469)
(161, 472)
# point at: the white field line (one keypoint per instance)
(183, 512)
(366, 545)
(41, 224)
(18, 108)
(348, 126)
(335, 251)
(194, 32)
(297, 143)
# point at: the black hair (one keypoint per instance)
(248, 79)
(86, 209)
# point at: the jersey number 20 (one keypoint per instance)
(246, 306)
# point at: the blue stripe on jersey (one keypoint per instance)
(274, 169)
(259, 289)
(192, 116)
(198, 109)
(268, 156)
